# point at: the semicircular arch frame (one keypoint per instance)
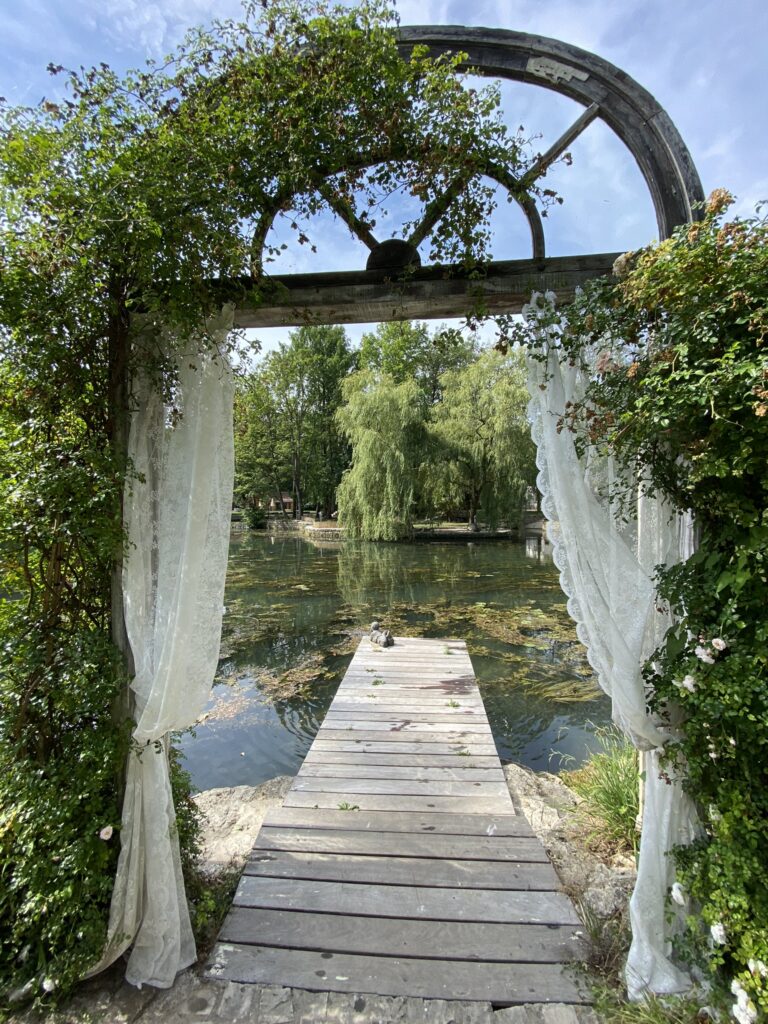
(603, 90)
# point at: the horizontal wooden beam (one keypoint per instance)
(429, 293)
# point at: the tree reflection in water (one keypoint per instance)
(295, 610)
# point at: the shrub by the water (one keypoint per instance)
(59, 819)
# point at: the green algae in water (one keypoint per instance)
(296, 611)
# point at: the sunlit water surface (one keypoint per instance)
(296, 608)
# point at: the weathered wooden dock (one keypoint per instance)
(398, 864)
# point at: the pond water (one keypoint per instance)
(295, 611)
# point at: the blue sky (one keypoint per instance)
(704, 61)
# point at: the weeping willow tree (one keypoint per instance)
(483, 456)
(385, 424)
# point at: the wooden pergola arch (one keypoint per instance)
(605, 92)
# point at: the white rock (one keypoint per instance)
(233, 817)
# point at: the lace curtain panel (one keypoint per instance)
(606, 571)
(177, 519)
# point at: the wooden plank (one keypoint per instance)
(398, 844)
(410, 773)
(378, 661)
(372, 713)
(380, 702)
(420, 871)
(443, 940)
(475, 742)
(383, 708)
(402, 745)
(342, 757)
(440, 687)
(396, 698)
(382, 658)
(413, 822)
(415, 644)
(436, 690)
(434, 903)
(501, 983)
(415, 681)
(400, 691)
(410, 671)
(425, 724)
(437, 654)
(400, 787)
(383, 802)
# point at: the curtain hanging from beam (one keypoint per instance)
(178, 504)
(606, 571)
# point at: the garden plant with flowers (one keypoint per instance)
(677, 347)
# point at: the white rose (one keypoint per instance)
(717, 931)
(106, 833)
(678, 894)
(745, 1013)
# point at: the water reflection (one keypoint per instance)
(294, 607)
(538, 547)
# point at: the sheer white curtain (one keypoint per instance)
(177, 518)
(606, 568)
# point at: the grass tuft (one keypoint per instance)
(608, 784)
(612, 1007)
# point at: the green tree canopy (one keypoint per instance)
(484, 457)
(288, 438)
(409, 351)
(262, 455)
(385, 425)
(464, 446)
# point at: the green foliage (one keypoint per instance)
(680, 393)
(611, 1007)
(61, 747)
(484, 457)
(255, 517)
(286, 437)
(408, 351)
(262, 456)
(385, 425)
(609, 782)
(58, 791)
(436, 428)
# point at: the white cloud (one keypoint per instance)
(714, 93)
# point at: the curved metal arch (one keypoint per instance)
(606, 91)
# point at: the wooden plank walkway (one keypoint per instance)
(398, 864)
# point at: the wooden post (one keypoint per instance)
(118, 430)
